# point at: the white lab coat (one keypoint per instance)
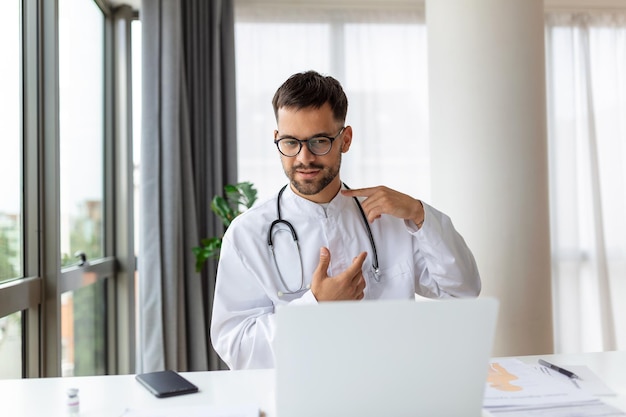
(433, 261)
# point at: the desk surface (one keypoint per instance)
(111, 395)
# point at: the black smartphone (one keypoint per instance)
(166, 383)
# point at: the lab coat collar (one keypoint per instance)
(308, 208)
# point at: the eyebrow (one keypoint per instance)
(328, 135)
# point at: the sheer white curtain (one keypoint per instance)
(380, 59)
(586, 70)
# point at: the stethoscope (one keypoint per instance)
(294, 236)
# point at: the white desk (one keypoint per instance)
(111, 395)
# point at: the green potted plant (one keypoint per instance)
(237, 196)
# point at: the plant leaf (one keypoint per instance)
(210, 249)
(248, 194)
(220, 206)
(243, 194)
(232, 197)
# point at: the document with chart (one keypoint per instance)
(517, 389)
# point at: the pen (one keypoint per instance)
(560, 370)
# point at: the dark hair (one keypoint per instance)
(311, 89)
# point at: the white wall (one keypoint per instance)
(489, 154)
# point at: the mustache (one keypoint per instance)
(302, 166)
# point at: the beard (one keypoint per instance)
(314, 186)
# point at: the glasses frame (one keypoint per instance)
(301, 141)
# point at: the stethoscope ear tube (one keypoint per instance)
(280, 220)
(270, 243)
(369, 234)
(286, 223)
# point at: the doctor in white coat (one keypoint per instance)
(316, 240)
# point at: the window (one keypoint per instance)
(10, 145)
(83, 330)
(11, 260)
(81, 125)
(586, 67)
(11, 346)
(63, 191)
(380, 59)
(136, 129)
(81, 143)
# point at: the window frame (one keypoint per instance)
(37, 294)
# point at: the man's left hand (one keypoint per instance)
(382, 200)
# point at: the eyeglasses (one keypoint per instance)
(317, 145)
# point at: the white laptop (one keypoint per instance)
(384, 358)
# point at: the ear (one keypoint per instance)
(346, 139)
(275, 134)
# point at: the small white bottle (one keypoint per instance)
(73, 403)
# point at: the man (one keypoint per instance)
(317, 240)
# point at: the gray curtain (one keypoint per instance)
(188, 154)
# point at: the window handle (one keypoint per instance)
(82, 258)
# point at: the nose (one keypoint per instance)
(305, 156)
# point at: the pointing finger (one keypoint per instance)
(359, 192)
(359, 259)
(356, 269)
